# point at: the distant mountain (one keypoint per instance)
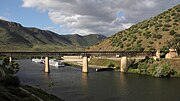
(84, 41)
(159, 32)
(15, 37)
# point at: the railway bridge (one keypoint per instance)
(84, 54)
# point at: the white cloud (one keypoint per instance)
(99, 16)
(4, 18)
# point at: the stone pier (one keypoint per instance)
(10, 59)
(46, 63)
(124, 64)
(85, 65)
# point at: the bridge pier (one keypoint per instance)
(85, 65)
(10, 59)
(124, 64)
(46, 63)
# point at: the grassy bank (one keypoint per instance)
(104, 62)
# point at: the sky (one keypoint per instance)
(82, 16)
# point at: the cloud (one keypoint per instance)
(4, 18)
(99, 16)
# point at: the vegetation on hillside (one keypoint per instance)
(159, 32)
(15, 37)
(84, 41)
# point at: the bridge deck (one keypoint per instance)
(83, 53)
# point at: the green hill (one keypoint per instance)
(159, 32)
(84, 41)
(15, 37)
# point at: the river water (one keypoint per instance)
(72, 85)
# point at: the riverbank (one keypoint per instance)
(147, 66)
(156, 68)
(12, 90)
(80, 65)
(97, 63)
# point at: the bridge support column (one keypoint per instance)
(124, 64)
(85, 65)
(10, 59)
(47, 70)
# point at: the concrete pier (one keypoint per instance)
(85, 65)
(10, 59)
(124, 64)
(47, 70)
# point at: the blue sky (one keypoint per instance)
(82, 16)
(28, 17)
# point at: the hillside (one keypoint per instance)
(159, 32)
(15, 37)
(84, 41)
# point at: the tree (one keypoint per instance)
(6, 61)
(14, 66)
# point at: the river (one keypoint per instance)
(72, 85)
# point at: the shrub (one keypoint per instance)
(167, 20)
(163, 70)
(158, 36)
(111, 65)
(128, 44)
(156, 28)
(151, 42)
(167, 25)
(139, 41)
(124, 39)
(10, 80)
(14, 66)
(165, 29)
(152, 49)
(6, 61)
(121, 45)
(147, 34)
(172, 32)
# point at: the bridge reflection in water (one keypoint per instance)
(84, 81)
(84, 54)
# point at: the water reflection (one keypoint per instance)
(122, 79)
(46, 76)
(84, 81)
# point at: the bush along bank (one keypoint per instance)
(155, 68)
